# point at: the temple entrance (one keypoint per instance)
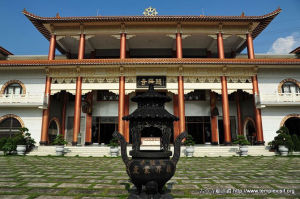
(103, 128)
(199, 128)
(53, 131)
(293, 124)
(250, 131)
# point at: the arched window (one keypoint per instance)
(9, 127)
(13, 88)
(290, 87)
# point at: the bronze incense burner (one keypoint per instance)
(151, 169)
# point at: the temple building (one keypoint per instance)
(217, 92)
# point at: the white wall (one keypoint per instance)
(272, 117)
(34, 80)
(32, 118)
(269, 79)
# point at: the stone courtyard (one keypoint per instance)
(95, 178)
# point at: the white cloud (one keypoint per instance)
(284, 45)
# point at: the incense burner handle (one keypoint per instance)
(123, 143)
(177, 145)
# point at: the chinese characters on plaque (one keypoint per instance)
(157, 81)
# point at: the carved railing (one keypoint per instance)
(279, 98)
(24, 99)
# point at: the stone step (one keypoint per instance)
(200, 150)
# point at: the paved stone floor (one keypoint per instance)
(96, 178)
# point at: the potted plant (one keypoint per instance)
(242, 142)
(189, 143)
(9, 146)
(60, 142)
(282, 142)
(29, 142)
(20, 140)
(114, 147)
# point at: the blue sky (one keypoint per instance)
(20, 37)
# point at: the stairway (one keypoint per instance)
(87, 151)
(200, 151)
(225, 151)
(42, 151)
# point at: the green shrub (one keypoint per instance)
(241, 140)
(189, 141)
(9, 146)
(59, 140)
(114, 142)
(2, 143)
(30, 143)
(296, 142)
(283, 138)
(19, 139)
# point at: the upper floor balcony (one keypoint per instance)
(277, 99)
(23, 100)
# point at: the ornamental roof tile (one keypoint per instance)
(148, 61)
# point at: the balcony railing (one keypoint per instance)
(28, 99)
(277, 99)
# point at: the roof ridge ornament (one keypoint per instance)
(150, 12)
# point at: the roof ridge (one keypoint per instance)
(275, 12)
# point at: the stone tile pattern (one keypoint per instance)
(92, 178)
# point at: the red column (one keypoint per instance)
(51, 55)
(257, 113)
(81, 46)
(63, 115)
(180, 86)
(122, 85)
(181, 107)
(225, 105)
(238, 112)
(77, 111)
(250, 46)
(77, 108)
(45, 117)
(176, 113)
(220, 46)
(123, 46)
(213, 120)
(121, 103)
(178, 45)
(126, 112)
(88, 121)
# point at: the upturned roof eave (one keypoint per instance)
(263, 20)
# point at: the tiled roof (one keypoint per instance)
(296, 51)
(4, 51)
(149, 61)
(263, 20)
